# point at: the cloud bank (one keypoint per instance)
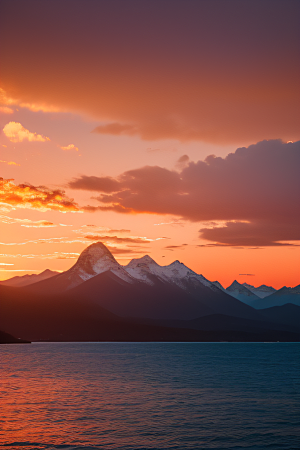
(220, 72)
(254, 191)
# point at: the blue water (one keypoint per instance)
(150, 396)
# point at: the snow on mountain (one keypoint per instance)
(145, 269)
(96, 259)
(261, 291)
(241, 293)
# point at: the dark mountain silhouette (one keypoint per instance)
(240, 292)
(159, 301)
(281, 297)
(223, 322)
(66, 318)
(261, 291)
(25, 280)
(6, 338)
(288, 314)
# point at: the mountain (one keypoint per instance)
(100, 300)
(281, 297)
(223, 322)
(145, 269)
(25, 280)
(287, 314)
(241, 293)
(261, 291)
(216, 283)
(6, 338)
(94, 260)
(142, 288)
(65, 317)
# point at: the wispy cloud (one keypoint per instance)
(6, 110)
(30, 223)
(69, 147)
(10, 163)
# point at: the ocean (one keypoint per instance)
(150, 396)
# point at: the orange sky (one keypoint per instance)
(110, 114)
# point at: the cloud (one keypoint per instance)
(263, 233)
(182, 161)
(247, 274)
(254, 191)
(95, 228)
(5, 264)
(35, 197)
(27, 222)
(174, 222)
(116, 129)
(54, 255)
(10, 163)
(15, 132)
(227, 74)
(175, 247)
(99, 184)
(8, 100)
(69, 147)
(6, 110)
(120, 240)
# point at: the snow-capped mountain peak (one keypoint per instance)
(145, 269)
(141, 262)
(96, 259)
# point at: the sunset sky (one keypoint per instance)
(168, 128)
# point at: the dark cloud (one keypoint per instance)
(100, 184)
(262, 233)
(259, 185)
(182, 161)
(215, 71)
(116, 128)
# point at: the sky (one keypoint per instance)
(163, 128)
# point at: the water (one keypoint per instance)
(150, 396)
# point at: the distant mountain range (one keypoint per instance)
(98, 299)
(25, 280)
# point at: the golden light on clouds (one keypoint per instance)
(70, 147)
(15, 132)
(10, 163)
(7, 100)
(6, 110)
(31, 223)
(40, 197)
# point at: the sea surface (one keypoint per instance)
(150, 396)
